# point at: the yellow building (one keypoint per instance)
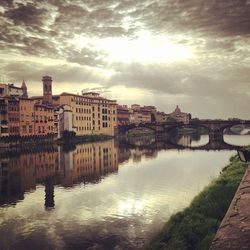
(91, 113)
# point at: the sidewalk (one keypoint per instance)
(234, 231)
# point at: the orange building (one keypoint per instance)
(26, 116)
(13, 116)
(44, 119)
(4, 129)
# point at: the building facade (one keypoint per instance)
(44, 119)
(11, 90)
(91, 113)
(13, 116)
(180, 116)
(4, 117)
(123, 115)
(26, 117)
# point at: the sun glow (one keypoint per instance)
(144, 48)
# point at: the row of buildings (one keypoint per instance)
(148, 114)
(85, 114)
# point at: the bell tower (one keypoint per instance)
(47, 90)
(24, 88)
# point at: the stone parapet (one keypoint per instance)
(234, 231)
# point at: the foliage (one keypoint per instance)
(171, 119)
(195, 227)
(67, 135)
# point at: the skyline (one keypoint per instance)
(159, 53)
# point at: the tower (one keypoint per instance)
(24, 88)
(47, 90)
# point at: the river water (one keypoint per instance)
(105, 195)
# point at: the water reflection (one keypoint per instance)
(107, 195)
(238, 140)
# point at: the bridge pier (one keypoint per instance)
(216, 139)
(216, 135)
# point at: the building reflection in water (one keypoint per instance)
(185, 140)
(22, 171)
(49, 193)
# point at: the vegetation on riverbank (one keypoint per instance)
(140, 132)
(186, 130)
(196, 226)
(70, 137)
(70, 140)
(67, 138)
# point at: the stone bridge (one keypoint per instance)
(215, 128)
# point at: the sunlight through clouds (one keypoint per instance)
(144, 48)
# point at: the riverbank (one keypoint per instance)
(50, 140)
(196, 226)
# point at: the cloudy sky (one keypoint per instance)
(195, 53)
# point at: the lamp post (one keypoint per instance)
(244, 155)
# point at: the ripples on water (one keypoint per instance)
(99, 196)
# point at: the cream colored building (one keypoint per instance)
(62, 120)
(91, 113)
(11, 90)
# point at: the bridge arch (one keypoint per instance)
(229, 126)
(170, 128)
(126, 128)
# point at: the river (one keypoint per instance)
(103, 195)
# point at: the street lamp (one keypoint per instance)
(244, 155)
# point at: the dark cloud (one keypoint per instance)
(62, 73)
(218, 31)
(27, 15)
(86, 57)
(219, 18)
(61, 20)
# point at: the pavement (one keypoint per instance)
(234, 231)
